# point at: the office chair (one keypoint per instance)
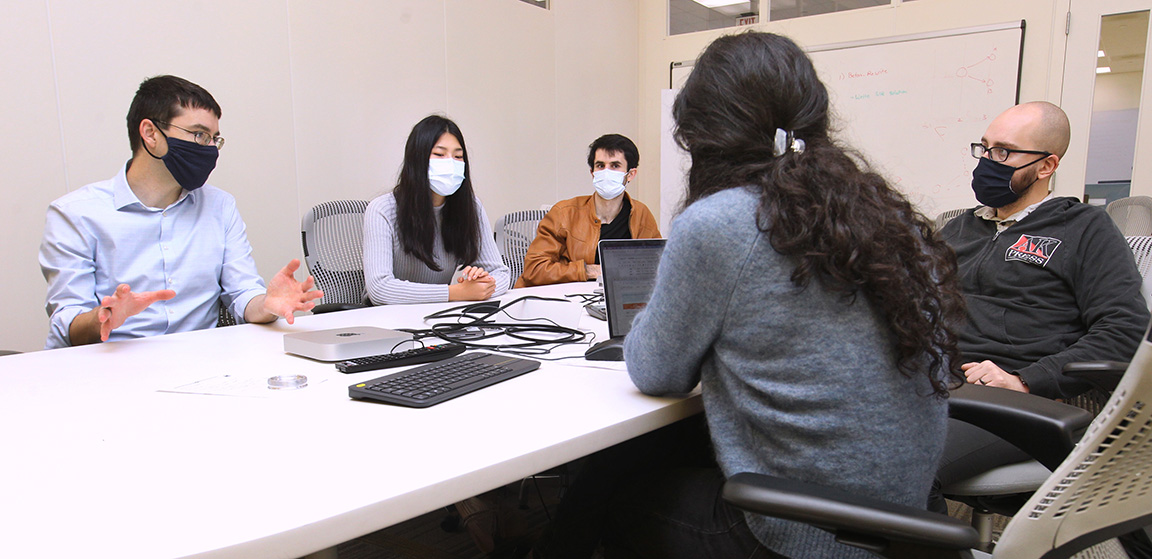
(514, 232)
(1133, 215)
(1141, 246)
(333, 237)
(945, 217)
(1003, 490)
(1142, 250)
(1102, 490)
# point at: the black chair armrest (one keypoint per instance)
(1103, 375)
(848, 515)
(333, 307)
(1045, 429)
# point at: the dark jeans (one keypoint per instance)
(657, 495)
(968, 451)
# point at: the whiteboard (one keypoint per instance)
(912, 105)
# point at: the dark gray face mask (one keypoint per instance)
(992, 182)
(189, 162)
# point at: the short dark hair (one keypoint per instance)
(161, 98)
(615, 143)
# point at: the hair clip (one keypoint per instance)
(786, 141)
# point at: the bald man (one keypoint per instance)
(1047, 280)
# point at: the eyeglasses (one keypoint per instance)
(202, 138)
(999, 154)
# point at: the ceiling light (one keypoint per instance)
(719, 3)
(1100, 53)
(1103, 70)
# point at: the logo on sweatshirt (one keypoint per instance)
(1032, 249)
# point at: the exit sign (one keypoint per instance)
(747, 20)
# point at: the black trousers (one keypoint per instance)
(968, 451)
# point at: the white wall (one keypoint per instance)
(1042, 57)
(318, 99)
(1116, 92)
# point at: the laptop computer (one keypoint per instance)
(628, 267)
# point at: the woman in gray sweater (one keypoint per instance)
(808, 299)
(416, 236)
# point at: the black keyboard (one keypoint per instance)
(425, 386)
(416, 356)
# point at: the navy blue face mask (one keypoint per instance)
(189, 162)
(992, 182)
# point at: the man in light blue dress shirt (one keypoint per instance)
(155, 250)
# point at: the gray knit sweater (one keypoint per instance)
(394, 276)
(796, 383)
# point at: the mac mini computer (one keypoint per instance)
(339, 344)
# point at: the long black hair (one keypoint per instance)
(416, 222)
(842, 224)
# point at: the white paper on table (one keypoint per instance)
(234, 385)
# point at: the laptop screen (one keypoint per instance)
(628, 267)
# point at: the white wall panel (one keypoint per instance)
(362, 75)
(33, 161)
(597, 74)
(501, 68)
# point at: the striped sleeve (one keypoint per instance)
(385, 263)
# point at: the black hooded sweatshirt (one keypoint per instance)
(1057, 287)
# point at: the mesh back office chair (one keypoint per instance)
(945, 217)
(1101, 490)
(333, 237)
(1141, 246)
(514, 232)
(1133, 215)
(1142, 249)
(334, 256)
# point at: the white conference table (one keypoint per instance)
(98, 460)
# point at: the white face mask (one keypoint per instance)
(445, 175)
(609, 184)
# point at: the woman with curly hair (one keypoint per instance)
(809, 300)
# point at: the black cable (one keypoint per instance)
(470, 330)
(521, 332)
(465, 313)
(588, 298)
(402, 342)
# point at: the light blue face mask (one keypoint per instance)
(609, 184)
(445, 175)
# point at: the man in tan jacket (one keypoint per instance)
(565, 246)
